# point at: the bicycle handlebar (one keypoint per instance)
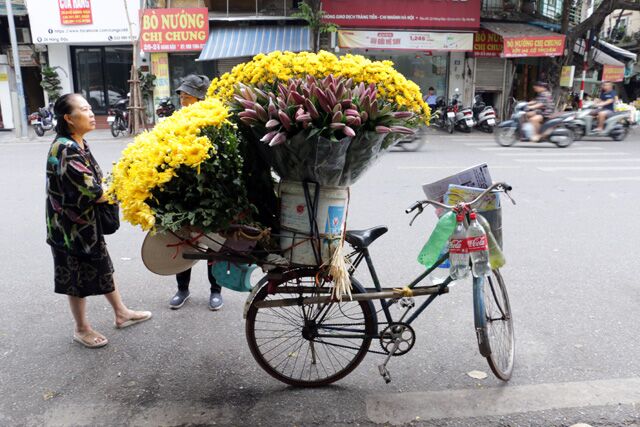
(500, 186)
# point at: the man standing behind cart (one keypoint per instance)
(193, 89)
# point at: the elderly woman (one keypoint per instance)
(82, 266)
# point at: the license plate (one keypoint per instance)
(451, 115)
(491, 122)
(35, 122)
(470, 123)
(111, 119)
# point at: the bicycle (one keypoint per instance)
(300, 334)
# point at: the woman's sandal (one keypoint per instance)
(88, 339)
(146, 315)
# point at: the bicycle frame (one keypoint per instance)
(478, 291)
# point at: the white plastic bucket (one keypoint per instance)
(296, 228)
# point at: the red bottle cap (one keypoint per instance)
(472, 216)
(460, 217)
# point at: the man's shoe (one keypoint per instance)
(179, 299)
(215, 301)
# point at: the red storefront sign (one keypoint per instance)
(173, 30)
(75, 12)
(403, 14)
(487, 44)
(612, 73)
(517, 47)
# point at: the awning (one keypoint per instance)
(250, 41)
(599, 56)
(523, 40)
(615, 51)
(17, 8)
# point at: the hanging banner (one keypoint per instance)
(454, 14)
(75, 12)
(174, 30)
(160, 68)
(566, 76)
(518, 47)
(405, 40)
(487, 44)
(102, 22)
(612, 73)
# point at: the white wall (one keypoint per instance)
(457, 69)
(5, 96)
(59, 56)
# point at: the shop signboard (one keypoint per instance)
(487, 44)
(174, 30)
(75, 12)
(566, 76)
(26, 55)
(532, 46)
(458, 14)
(405, 40)
(612, 73)
(83, 21)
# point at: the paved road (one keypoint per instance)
(571, 248)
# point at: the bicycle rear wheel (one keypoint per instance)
(308, 345)
(495, 329)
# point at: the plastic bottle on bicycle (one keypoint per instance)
(458, 251)
(478, 247)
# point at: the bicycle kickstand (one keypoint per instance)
(382, 368)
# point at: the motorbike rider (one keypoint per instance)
(541, 108)
(608, 98)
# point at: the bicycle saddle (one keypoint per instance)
(363, 238)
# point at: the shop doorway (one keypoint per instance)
(101, 74)
(34, 95)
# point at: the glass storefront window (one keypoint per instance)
(101, 74)
(181, 65)
(424, 70)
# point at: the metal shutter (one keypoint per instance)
(227, 64)
(489, 74)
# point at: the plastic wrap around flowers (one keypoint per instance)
(328, 131)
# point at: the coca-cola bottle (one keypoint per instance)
(478, 247)
(458, 252)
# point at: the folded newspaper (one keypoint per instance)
(460, 193)
(476, 176)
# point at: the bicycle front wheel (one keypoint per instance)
(308, 345)
(494, 326)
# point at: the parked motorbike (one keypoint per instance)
(118, 118)
(443, 115)
(616, 126)
(165, 108)
(43, 120)
(484, 115)
(463, 115)
(555, 130)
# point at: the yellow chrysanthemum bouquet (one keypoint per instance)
(187, 171)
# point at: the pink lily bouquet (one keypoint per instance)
(326, 130)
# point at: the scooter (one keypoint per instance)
(616, 126)
(555, 130)
(118, 118)
(463, 115)
(443, 115)
(484, 115)
(165, 109)
(43, 120)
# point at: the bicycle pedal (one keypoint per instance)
(384, 372)
(407, 302)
